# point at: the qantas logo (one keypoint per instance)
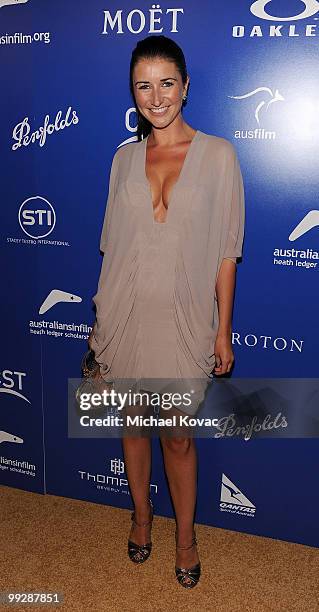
(233, 500)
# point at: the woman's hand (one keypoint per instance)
(223, 353)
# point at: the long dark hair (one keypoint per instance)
(150, 48)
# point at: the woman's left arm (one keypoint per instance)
(225, 284)
(225, 288)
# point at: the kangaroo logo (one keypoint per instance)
(258, 9)
(274, 97)
(5, 436)
(306, 224)
(231, 494)
(55, 296)
(7, 2)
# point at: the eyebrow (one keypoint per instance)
(167, 79)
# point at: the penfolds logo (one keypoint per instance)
(23, 135)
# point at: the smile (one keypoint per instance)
(159, 111)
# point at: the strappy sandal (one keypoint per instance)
(138, 553)
(188, 577)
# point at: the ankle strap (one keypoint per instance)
(194, 541)
(139, 524)
(143, 524)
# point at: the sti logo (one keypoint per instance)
(37, 217)
(11, 383)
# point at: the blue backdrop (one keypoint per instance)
(66, 107)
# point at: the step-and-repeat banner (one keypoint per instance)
(66, 107)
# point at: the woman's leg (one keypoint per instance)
(180, 460)
(137, 458)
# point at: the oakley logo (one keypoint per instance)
(274, 97)
(258, 9)
(306, 224)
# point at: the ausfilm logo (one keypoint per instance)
(260, 100)
(304, 259)
(233, 500)
(264, 9)
(153, 21)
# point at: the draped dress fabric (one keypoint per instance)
(156, 304)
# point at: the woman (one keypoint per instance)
(172, 231)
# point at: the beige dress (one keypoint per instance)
(156, 309)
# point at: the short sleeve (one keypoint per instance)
(109, 204)
(236, 218)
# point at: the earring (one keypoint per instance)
(184, 97)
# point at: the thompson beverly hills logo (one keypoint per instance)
(302, 258)
(264, 10)
(113, 481)
(153, 21)
(263, 98)
(233, 500)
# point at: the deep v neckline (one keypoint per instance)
(175, 185)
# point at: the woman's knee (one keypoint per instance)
(178, 445)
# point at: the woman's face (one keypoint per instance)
(159, 90)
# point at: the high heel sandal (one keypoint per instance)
(138, 553)
(191, 573)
